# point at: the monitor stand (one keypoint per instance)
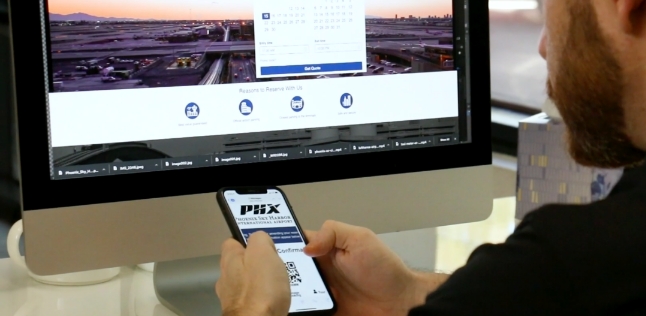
(187, 286)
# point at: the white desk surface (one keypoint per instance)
(132, 293)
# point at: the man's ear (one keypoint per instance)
(632, 15)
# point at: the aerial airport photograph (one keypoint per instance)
(132, 44)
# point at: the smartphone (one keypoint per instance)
(247, 210)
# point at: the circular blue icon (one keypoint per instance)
(245, 107)
(297, 104)
(346, 100)
(192, 111)
(233, 200)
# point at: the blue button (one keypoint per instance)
(313, 68)
(265, 16)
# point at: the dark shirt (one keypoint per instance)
(561, 260)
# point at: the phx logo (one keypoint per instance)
(259, 209)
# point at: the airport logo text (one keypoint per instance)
(259, 209)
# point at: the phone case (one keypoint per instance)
(237, 235)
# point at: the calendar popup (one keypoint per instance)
(318, 37)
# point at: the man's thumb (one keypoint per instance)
(332, 235)
(317, 245)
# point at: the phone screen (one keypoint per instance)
(270, 213)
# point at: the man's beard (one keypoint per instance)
(588, 91)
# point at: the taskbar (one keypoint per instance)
(243, 157)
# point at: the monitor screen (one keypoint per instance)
(143, 85)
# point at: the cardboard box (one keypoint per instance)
(546, 172)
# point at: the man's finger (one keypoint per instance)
(261, 250)
(218, 287)
(260, 242)
(310, 235)
(332, 235)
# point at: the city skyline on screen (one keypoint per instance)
(220, 9)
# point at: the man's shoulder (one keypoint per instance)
(605, 235)
(626, 209)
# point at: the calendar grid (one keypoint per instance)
(323, 15)
(322, 30)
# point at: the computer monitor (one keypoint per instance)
(371, 112)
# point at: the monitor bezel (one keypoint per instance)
(39, 191)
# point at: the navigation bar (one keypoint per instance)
(339, 148)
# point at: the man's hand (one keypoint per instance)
(365, 276)
(254, 280)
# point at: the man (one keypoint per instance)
(562, 259)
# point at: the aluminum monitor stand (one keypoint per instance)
(187, 286)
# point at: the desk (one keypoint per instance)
(132, 292)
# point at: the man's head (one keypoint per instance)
(596, 57)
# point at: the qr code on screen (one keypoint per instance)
(294, 276)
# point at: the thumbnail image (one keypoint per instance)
(127, 44)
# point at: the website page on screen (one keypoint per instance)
(270, 213)
(143, 85)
